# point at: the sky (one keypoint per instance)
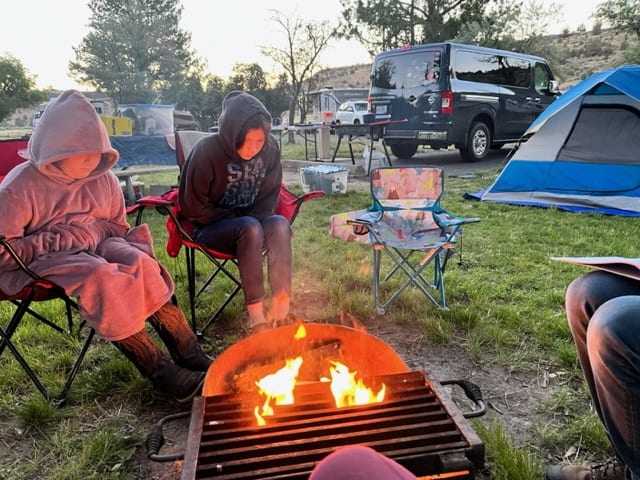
(42, 33)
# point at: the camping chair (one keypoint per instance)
(407, 222)
(12, 153)
(39, 290)
(181, 232)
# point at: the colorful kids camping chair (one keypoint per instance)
(407, 223)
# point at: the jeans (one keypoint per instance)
(603, 311)
(248, 239)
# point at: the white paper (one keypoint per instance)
(626, 267)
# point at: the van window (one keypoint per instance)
(477, 67)
(493, 69)
(542, 77)
(407, 71)
(516, 71)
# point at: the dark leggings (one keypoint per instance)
(248, 239)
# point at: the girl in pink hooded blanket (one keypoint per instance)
(63, 212)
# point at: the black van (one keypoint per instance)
(474, 98)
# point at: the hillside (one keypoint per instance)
(573, 57)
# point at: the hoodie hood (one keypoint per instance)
(70, 125)
(237, 108)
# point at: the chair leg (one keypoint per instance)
(220, 309)
(379, 309)
(220, 267)
(61, 399)
(191, 285)
(6, 342)
(414, 275)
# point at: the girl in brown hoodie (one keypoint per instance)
(63, 212)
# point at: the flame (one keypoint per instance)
(278, 388)
(301, 333)
(347, 391)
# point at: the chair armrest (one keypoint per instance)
(312, 194)
(364, 223)
(162, 204)
(368, 218)
(19, 262)
(446, 219)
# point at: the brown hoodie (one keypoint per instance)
(74, 232)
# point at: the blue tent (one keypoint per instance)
(582, 153)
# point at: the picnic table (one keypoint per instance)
(373, 131)
(128, 173)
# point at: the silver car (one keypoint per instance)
(352, 111)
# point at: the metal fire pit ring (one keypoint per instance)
(250, 359)
(235, 371)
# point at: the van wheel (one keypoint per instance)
(356, 121)
(478, 143)
(404, 151)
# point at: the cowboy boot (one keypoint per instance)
(154, 365)
(181, 342)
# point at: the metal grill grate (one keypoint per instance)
(415, 426)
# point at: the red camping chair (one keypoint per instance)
(181, 233)
(40, 290)
(12, 153)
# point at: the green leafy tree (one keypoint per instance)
(249, 78)
(621, 14)
(304, 41)
(16, 87)
(276, 97)
(385, 24)
(134, 49)
(212, 100)
(514, 26)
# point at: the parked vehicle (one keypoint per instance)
(322, 105)
(184, 120)
(352, 112)
(474, 98)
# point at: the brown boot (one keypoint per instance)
(183, 346)
(612, 470)
(158, 368)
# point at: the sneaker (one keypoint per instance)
(612, 470)
(290, 319)
(259, 327)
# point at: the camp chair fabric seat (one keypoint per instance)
(407, 222)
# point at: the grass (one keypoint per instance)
(506, 309)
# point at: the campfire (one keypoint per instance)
(278, 388)
(276, 403)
